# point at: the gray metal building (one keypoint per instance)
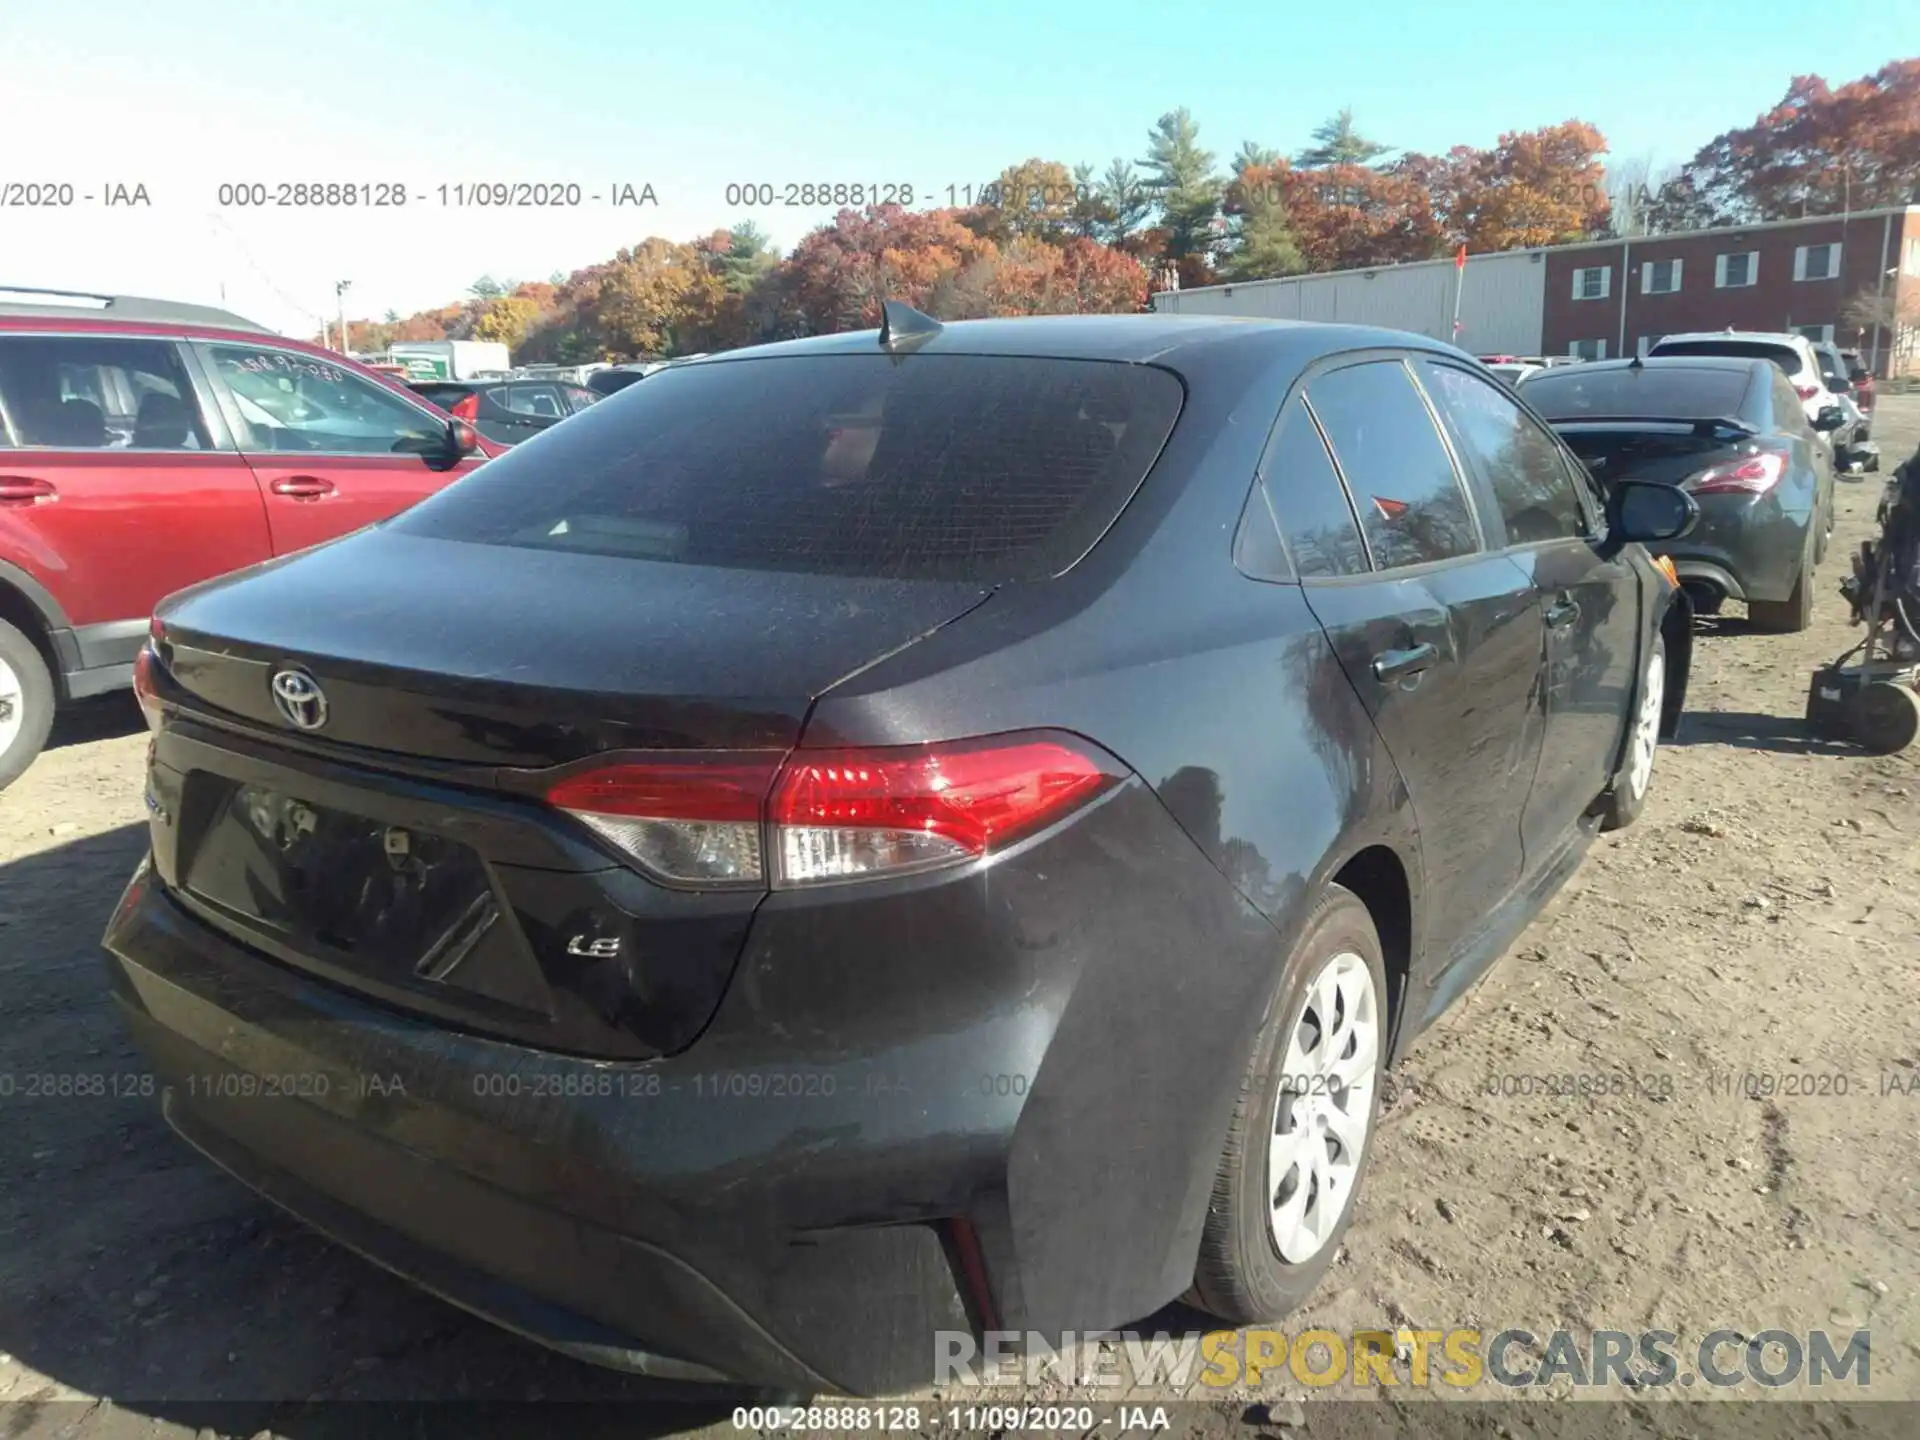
(1502, 299)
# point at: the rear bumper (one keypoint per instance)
(1745, 552)
(879, 1137)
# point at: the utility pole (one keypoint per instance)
(340, 297)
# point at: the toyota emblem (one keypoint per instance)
(299, 699)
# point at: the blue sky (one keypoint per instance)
(184, 95)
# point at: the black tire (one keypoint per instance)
(1886, 717)
(1789, 616)
(34, 703)
(1241, 1277)
(1624, 801)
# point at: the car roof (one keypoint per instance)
(1777, 337)
(89, 311)
(1675, 362)
(1160, 339)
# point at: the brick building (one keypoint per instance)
(1616, 297)
(1620, 296)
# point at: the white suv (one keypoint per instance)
(1792, 353)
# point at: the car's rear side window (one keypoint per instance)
(1309, 503)
(984, 468)
(97, 393)
(1397, 468)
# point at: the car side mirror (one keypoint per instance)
(1650, 512)
(447, 448)
(1831, 417)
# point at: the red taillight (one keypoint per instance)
(467, 407)
(1806, 392)
(1754, 475)
(840, 814)
(827, 815)
(144, 689)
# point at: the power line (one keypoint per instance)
(260, 270)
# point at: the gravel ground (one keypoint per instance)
(1762, 920)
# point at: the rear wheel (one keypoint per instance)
(1789, 616)
(1301, 1133)
(26, 703)
(1622, 804)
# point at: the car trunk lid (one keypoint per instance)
(408, 641)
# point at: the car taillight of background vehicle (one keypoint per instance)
(1806, 392)
(1751, 475)
(145, 664)
(817, 816)
(467, 407)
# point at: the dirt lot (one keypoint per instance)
(1762, 920)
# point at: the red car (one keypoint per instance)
(147, 446)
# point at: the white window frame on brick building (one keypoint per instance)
(1650, 277)
(1818, 334)
(1721, 281)
(1829, 257)
(1588, 349)
(1581, 289)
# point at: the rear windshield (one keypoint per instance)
(1785, 356)
(968, 467)
(1657, 393)
(441, 395)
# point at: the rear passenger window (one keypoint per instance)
(1397, 468)
(80, 393)
(1522, 464)
(1308, 501)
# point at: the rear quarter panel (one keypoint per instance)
(1224, 695)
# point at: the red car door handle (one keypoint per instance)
(302, 487)
(24, 490)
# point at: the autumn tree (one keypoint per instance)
(1033, 277)
(662, 298)
(1536, 187)
(1338, 142)
(842, 271)
(507, 319)
(1181, 176)
(1345, 217)
(1031, 200)
(1818, 151)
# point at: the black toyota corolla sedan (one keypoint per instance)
(930, 830)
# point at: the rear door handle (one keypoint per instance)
(1563, 612)
(302, 487)
(1391, 665)
(24, 490)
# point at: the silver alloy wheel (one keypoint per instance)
(1325, 1104)
(1646, 727)
(13, 706)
